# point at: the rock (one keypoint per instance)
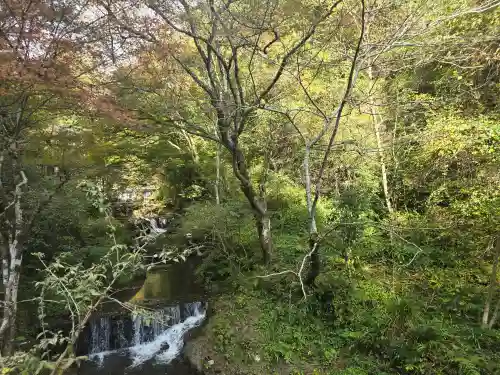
(194, 354)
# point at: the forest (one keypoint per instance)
(331, 168)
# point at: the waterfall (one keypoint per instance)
(144, 338)
(155, 228)
(121, 338)
(101, 334)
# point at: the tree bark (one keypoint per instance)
(315, 263)
(494, 317)
(376, 126)
(11, 266)
(217, 175)
(8, 326)
(310, 207)
(264, 231)
(492, 287)
(257, 203)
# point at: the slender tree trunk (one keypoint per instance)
(8, 326)
(4, 327)
(491, 288)
(217, 170)
(314, 263)
(383, 169)
(376, 126)
(13, 258)
(11, 288)
(217, 176)
(309, 201)
(9, 333)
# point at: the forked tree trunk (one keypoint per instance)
(315, 262)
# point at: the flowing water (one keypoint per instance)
(138, 344)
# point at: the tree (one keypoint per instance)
(41, 79)
(241, 39)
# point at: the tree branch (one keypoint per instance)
(347, 93)
(292, 51)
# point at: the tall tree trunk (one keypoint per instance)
(492, 287)
(314, 264)
(8, 326)
(383, 169)
(309, 200)
(217, 176)
(4, 327)
(217, 170)
(376, 120)
(11, 265)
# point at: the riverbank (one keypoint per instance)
(240, 338)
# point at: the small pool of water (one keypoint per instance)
(117, 364)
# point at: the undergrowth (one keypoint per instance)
(380, 306)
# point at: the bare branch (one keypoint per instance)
(347, 93)
(190, 127)
(298, 273)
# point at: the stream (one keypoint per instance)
(125, 342)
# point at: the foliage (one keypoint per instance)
(230, 114)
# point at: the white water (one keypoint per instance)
(155, 228)
(101, 333)
(168, 336)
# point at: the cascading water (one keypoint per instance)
(144, 338)
(101, 334)
(155, 228)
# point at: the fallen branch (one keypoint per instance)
(297, 274)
